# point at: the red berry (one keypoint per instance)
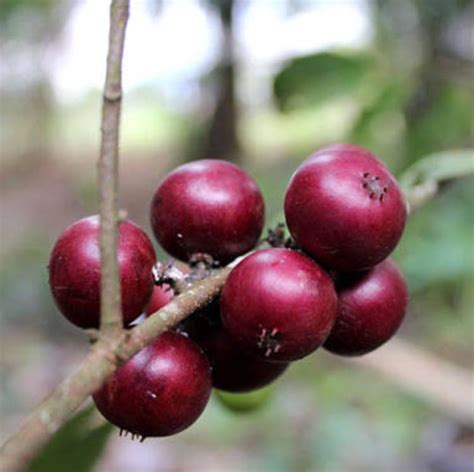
(371, 307)
(278, 304)
(74, 271)
(208, 206)
(162, 295)
(235, 371)
(160, 391)
(345, 209)
(232, 369)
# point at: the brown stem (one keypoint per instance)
(102, 359)
(111, 317)
(100, 363)
(447, 387)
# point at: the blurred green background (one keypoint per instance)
(262, 83)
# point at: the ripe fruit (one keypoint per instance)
(232, 369)
(371, 307)
(208, 206)
(160, 391)
(162, 295)
(278, 304)
(74, 271)
(344, 208)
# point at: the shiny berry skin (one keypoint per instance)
(162, 295)
(232, 369)
(160, 391)
(278, 304)
(345, 209)
(371, 308)
(208, 206)
(74, 271)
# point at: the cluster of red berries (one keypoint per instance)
(331, 285)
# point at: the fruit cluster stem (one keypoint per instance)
(111, 316)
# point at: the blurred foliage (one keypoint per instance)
(450, 114)
(437, 246)
(28, 29)
(382, 100)
(76, 446)
(383, 106)
(16, 19)
(409, 105)
(11, 7)
(311, 80)
(23, 281)
(439, 167)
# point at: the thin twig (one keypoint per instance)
(110, 305)
(445, 386)
(102, 360)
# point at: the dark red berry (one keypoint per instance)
(74, 271)
(235, 371)
(207, 206)
(371, 307)
(160, 391)
(278, 304)
(232, 369)
(203, 323)
(345, 209)
(162, 295)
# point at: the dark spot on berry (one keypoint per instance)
(373, 186)
(268, 341)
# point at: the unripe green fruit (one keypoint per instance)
(248, 402)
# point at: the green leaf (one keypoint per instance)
(446, 122)
(391, 97)
(438, 167)
(380, 123)
(311, 80)
(436, 247)
(76, 446)
(420, 182)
